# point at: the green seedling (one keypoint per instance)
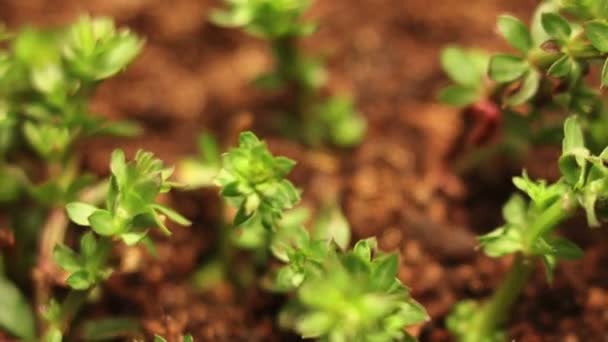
(47, 78)
(130, 211)
(519, 92)
(351, 296)
(253, 180)
(528, 233)
(317, 119)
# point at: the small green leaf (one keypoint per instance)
(562, 67)
(515, 32)
(66, 258)
(172, 214)
(363, 249)
(597, 32)
(527, 89)
(88, 245)
(314, 324)
(102, 223)
(457, 95)
(79, 212)
(565, 249)
(507, 68)
(459, 67)
(159, 339)
(79, 280)
(556, 26)
(16, 316)
(605, 73)
(385, 270)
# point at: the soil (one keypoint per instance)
(397, 185)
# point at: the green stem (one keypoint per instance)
(496, 310)
(72, 303)
(557, 212)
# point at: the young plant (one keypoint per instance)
(349, 296)
(130, 211)
(341, 296)
(528, 232)
(47, 77)
(317, 119)
(545, 75)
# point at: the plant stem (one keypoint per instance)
(496, 310)
(557, 212)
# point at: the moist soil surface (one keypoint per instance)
(397, 185)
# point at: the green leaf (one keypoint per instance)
(385, 270)
(597, 33)
(411, 313)
(159, 339)
(118, 166)
(507, 68)
(527, 89)
(573, 135)
(188, 338)
(515, 32)
(79, 280)
(363, 248)
(457, 95)
(605, 73)
(314, 324)
(88, 245)
(101, 222)
(16, 316)
(172, 214)
(556, 26)
(565, 249)
(562, 67)
(79, 212)
(459, 67)
(66, 258)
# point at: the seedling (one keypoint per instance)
(130, 211)
(546, 74)
(528, 232)
(341, 296)
(47, 77)
(350, 296)
(317, 119)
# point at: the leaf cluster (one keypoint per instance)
(254, 181)
(353, 296)
(47, 77)
(270, 19)
(583, 184)
(131, 208)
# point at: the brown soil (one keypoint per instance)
(194, 76)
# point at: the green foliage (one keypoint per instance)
(546, 73)
(87, 268)
(47, 77)
(270, 19)
(467, 70)
(253, 180)
(325, 120)
(130, 206)
(16, 316)
(528, 230)
(353, 296)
